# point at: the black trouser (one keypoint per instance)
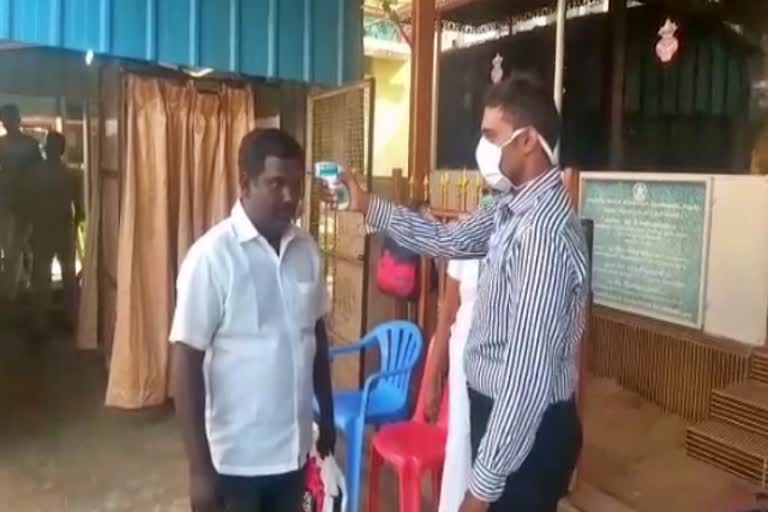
(272, 493)
(543, 479)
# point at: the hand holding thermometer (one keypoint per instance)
(330, 172)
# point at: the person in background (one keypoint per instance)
(521, 356)
(454, 321)
(19, 154)
(52, 205)
(759, 163)
(250, 344)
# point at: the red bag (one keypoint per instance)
(322, 474)
(398, 271)
(314, 494)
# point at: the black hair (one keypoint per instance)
(9, 110)
(524, 97)
(57, 141)
(257, 145)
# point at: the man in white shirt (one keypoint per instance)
(250, 344)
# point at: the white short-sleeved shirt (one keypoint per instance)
(254, 313)
(466, 272)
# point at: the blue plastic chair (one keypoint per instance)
(384, 397)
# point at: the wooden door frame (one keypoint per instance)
(311, 219)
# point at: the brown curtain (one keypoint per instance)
(180, 164)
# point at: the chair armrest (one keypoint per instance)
(370, 381)
(351, 349)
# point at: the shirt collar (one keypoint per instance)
(525, 196)
(244, 228)
(246, 231)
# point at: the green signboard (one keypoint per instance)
(650, 243)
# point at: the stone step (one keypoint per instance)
(744, 405)
(728, 447)
(758, 366)
(588, 498)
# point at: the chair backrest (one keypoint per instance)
(430, 367)
(400, 346)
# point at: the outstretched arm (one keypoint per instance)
(456, 240)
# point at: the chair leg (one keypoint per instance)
(437, 483)
(410, 490)
(355, 440)
(374, 483)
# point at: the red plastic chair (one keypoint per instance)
(413, 448)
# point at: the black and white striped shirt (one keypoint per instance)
(529, 312)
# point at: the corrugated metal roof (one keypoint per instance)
(477, 12)
(753, 13)
(317, 41)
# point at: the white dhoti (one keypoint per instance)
(458, 450)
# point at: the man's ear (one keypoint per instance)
(245, 181)
(530, 140)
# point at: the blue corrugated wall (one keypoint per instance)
(316, 41)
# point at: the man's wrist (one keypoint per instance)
(486, 485)
(473, 503)
(379, 213)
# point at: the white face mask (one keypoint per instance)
(489, 155)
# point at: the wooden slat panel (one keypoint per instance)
(676, 368)
(759, 367)
(744, 405)
(737, 451)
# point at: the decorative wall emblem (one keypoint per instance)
(640, 192)
(497, 72)
(667, 47)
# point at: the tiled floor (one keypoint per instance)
(61, 451)
(636, 453)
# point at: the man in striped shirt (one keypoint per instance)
(521, 355)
